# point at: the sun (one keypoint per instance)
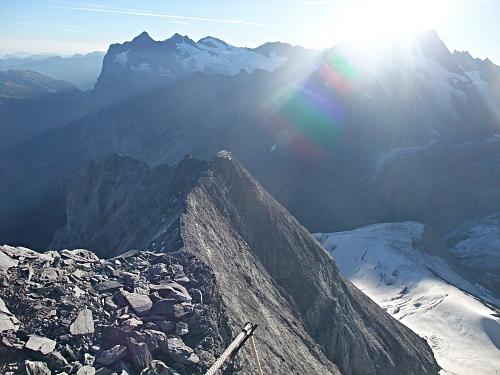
(368, 22)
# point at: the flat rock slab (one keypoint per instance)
(83, 324)
(156, 367)
(139, 302)
(172, 289)
(41, 344)
(108, 285)
(80, 255)
(7, 319)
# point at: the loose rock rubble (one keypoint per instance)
(70, 312)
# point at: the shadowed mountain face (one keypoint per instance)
(268, 268)
(23, 84)
(342, 141)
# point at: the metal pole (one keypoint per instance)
(233, 348)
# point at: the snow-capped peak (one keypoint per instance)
(212, 42)
(146, 63)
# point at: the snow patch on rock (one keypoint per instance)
(122, 57)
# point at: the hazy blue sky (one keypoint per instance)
(76, 26)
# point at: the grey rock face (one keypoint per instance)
(268, 268)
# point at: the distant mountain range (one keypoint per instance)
(143, 64)
(80, 70)
(23, 84)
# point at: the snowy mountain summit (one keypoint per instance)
(144, 63)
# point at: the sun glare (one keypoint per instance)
(367, 22)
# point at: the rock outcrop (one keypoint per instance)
(267, 267)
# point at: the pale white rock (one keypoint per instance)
(6, 262)
(83, 324)
(7, 319)
(36, 368)
(41, 344)
(86, 370)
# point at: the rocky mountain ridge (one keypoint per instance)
(266, 265)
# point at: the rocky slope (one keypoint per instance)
(71, 312)
(267, 267)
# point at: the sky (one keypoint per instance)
(76, 26)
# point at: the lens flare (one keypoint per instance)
(308, 116)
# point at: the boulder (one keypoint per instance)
(40, 344)
(7, 320)
(140, 356)
(110, 356)
(86, 370)
(157, 367)
(36, 368)
(172, 289)
(180, 352)
(131, 324)
(139, 302)
(83, 324)
(107, 286)
(181, 329)
(164, 307)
